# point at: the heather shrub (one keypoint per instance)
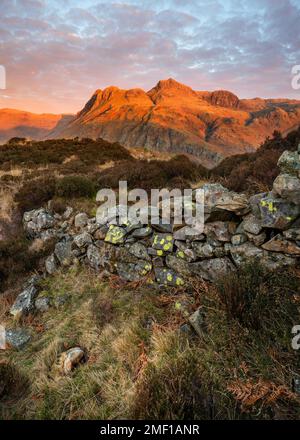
(75, 186)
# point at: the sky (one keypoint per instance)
(56, 53)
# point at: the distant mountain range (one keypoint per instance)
(171, 117)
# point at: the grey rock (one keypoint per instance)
(289, 162)
(24, 303)
(197, 321)
(277, 213)
(115, 235)
(102, 256)
(17, 338)
(167, 277)
(292, 234)
(51, 264)
(238, 239)
(257, 240)
(133, 271)
(63, 252)
(245, 252)
(139, 250)
(213, 268)
(83, 239)
(68, 212)
(163, 242)
(179, 265)
(221, 231)
(203, 250)
(287, 187)
(252, 224)
(142, 232)
(81, 220)
(42, 304)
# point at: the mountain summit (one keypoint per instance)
(172, 117)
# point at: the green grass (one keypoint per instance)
(140, 365)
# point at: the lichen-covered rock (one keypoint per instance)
(51, 264)
(179, 265)
(184, 251)
(24, 303)
(163, 242)
(289, 163)
(133, 271)
(213, 268)
(115, 235)
(168, 277)
(81, 220)
(17, 338)
(280, 244)
(277, 213)
(142, 232)
(63, 252)
(83, 239)
(287, 187)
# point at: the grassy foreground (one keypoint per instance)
(139, 364)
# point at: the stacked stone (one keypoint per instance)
(264, 227)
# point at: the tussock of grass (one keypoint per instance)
(138, 363)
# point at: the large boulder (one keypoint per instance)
(276, 213)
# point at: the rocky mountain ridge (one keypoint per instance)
(171, 117)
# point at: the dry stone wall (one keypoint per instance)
(265, 227)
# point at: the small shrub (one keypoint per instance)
(35, 193)
(75, 186)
